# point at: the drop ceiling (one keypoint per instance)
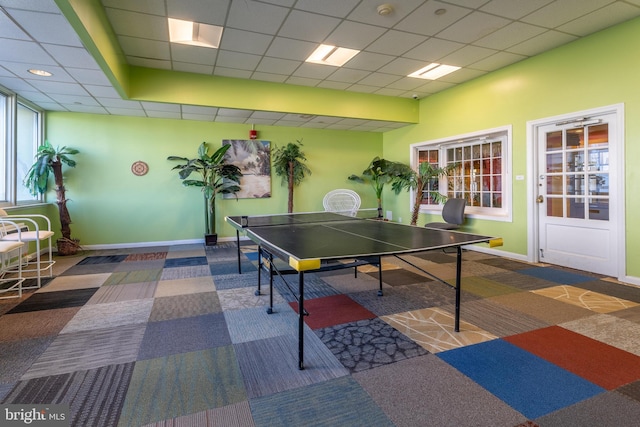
(269, 40)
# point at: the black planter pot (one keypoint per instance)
(210, 239)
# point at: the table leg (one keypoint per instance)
(301, 321)
(239, 254)
(270, 309)
(458, 274)
(259, 269)
(380, 276)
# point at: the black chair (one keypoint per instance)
(452, 213)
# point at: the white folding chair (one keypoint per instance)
(10, 256)
(342, 201)
(34, 234)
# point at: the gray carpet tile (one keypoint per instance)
(244, 280)
(17, 356)
(182, 384)
(271, 365)
(184, 335)
(90, 269)
(189, 305)
(136, 276)
(314, 287)
(337, 402)
(110, 315)
(5, 389)
(230, 267)
(497, 319)
(367, 344)
(521, 281)
(400, 277)
(95, 397)
(631, 314)
(103, 259)
(234, 415)
(631, 390)
(140, 265)
(116, 293)
(429, 392)
(22, 326)
(627, 292)
(184, 272)
(255, 323)
(88, 350)
(54, 300)
(505, 263)
(607, 409)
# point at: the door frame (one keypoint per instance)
(533, 215)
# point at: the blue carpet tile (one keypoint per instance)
(556, 275)
(185, 262)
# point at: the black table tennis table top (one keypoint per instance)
(307, 239)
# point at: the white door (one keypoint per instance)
(576, 194)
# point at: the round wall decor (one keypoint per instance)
(139, 168)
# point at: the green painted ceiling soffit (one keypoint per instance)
(90, 22)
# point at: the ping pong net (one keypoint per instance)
(247, 221)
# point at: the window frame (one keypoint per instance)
(504, 134)
(10, 140)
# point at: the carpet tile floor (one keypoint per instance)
(175, 336)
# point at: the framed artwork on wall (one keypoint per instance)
(253, 157)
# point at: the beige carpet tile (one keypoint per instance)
(65, 283)
(609, 329)
(131, 291)
(631, 314)
(191, 285)
(484, 287)
(241, 298)
(374, 269)
(498, 319)
(546, 309)
(345, 282)
(433, 329)
(590, 300)
(475, 268)
(110, 315)
(138, 276)
(188, 305)
(21, 326)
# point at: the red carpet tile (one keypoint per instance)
(332, 310)
(600, 363)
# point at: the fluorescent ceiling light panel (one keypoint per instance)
(331, 55)
(434, 71)
(194, 33)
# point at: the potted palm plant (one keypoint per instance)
(377, 174)
(49, 160)
(288, 163)
(423, 181)
(215, 177)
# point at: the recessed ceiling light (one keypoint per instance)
(41, 73)
(440, 11)
(434, 71)
(194, 33)
(331, 55)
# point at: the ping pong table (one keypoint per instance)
(315, 241)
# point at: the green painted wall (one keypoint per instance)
(596, 71)
(110, 205)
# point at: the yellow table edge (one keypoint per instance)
(496, 242)
(304, 264)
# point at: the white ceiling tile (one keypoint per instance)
(379, 79)
(89, 109)
(266, 115)
(559, 12)
(227, 119)
(229, 112)
(327, 84)
(69, 56)
(16, 84)
(21, 70)
(126, 112)
(396, 42)
(600, 19)
(243, 61)
(402, 66)
(21, 51)
(337, 8)
(144, 48)
(513, 9)
(160, 106)
(406, 83)
(198, 117)
(99, 91)
(204, 11)
(541, 43)
(367, 12)
(496, 61)
(473, 27)
(314, 71)
(369, 61)
(193, 54)
(89, 77)
(230, 72)
(75, 99)
(56, 88)
(269, 77)
(354, 35)
(346, 75)
(189, 67)
(424, 20)
(140, 25)
(291, 49)
(433, 49)
(277, 66)
(198, 109)
(38, 5)
(257, 17)
(307, 26)
(154, 7)
(245, 41)
(164, 114)
(52, 27)
(9, 30)
(119, 103)
(363, 88)
(467, 55)
(514, 33)
(462, 75)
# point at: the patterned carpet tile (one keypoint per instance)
(126, 292)
(600, 363)
(612, 288)
(590, 300)
(181, 384)
(17, 356)
(223, 268)
(505, 263)
(234, 415)
(546, 309)
(21, 326)
(498, 319)
(314, 287)
(185, 272)
(88, 350)
(185, 253)
(95, 397)
(175, 307)
(433, 329)
(400, 277)
(523, 282)
(535, 387)
(54, 300)
(147, 256)
(103, 259)
(241, 298)
(136, 276)
(234, 280)
(255, 323)
(367, 344)
(319, 405)
(185, 262)
(110, 315)
(332, 310)
(343, 281)
(608, 329)
(66, 283)
(156, 264)
(192, 285)
(78, 270)
(184, 335)
(484, 287)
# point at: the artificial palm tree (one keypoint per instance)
(216, 177)
(288, 163)
(49, 160)
(423, 181)
(377, 174)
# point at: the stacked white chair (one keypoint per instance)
(10, 257)
(35, 235)
(342, 201)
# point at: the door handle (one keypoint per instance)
(540, 199)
